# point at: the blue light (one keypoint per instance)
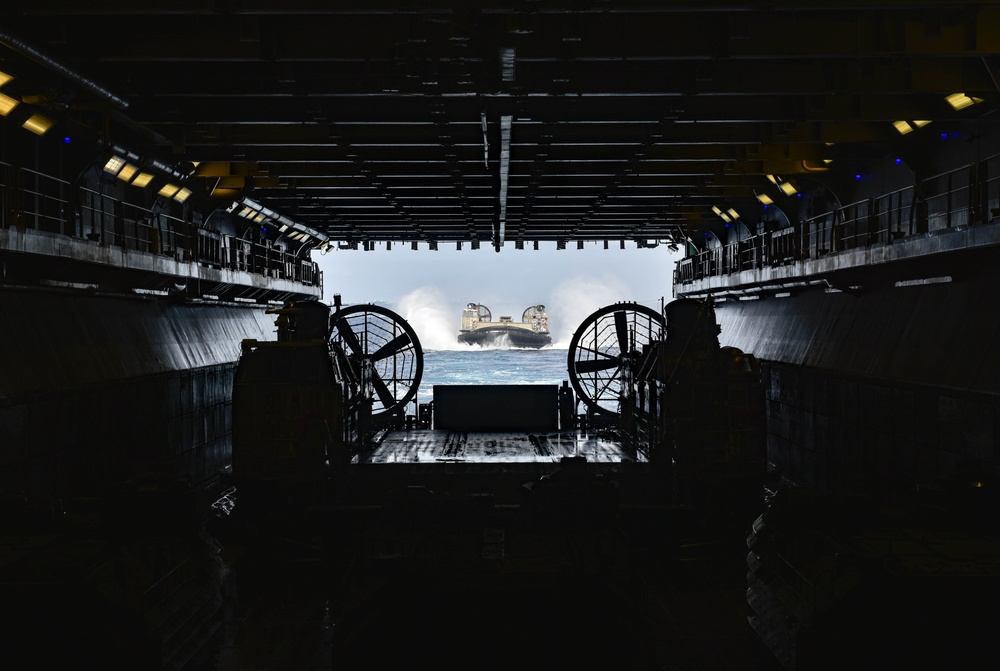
(66, 140)
(727, 225)
(944, 136)
(857, 177)
(899, 161)
(766, 206)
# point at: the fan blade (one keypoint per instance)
(594, 365)
(384, 395)
(621, 326)
(344, 329)
(391, 347)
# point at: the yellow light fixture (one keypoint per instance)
(38, 124)
(787, 188)
(733, 213)
(7, 104)
(764, 198)
(902, 126)
(961, 101)
(168, 190)
(127, 172)
(715, 208)
(4, 77)
(182, 195)
(142, 179)
(772, 179)
(920, 124)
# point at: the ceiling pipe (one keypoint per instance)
(506, 121)
(29, 51)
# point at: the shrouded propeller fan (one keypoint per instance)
(607, 346)
(384, 350)
(532, 312)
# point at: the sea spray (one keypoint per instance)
(576, 298)
(428, 312)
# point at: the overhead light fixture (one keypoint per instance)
(257, 213)
(132, 168)
(725, 217)
(905, 127)
(173, 191)
(783, 184)
(168, 190)
(787, 188)
(127, 172)
(4, 77)
(961, 101)
(7, 104)
(733, 213)
(764, 198)
(38, 124)
(114, 165)
(142, 179)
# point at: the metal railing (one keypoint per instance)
(33, 200)
(966, 196)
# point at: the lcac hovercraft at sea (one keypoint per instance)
(478, 328)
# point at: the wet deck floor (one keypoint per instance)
(434, 446)
(449, 562)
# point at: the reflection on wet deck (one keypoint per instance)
(436, 445)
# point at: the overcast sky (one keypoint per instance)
(430, 288)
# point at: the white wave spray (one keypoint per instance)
(427, 310)
(576, 298)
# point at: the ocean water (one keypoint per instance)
(474, 365)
